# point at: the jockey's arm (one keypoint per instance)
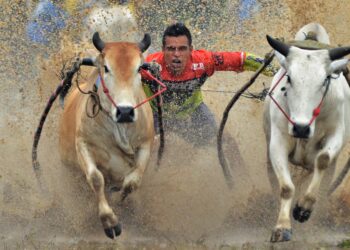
(253, 63)
(240, 61)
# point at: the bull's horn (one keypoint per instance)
(87, 62)
(99, 44)
(337, 53)
(145, 43)
(278, 45)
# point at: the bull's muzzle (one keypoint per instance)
(301, 131)
(125, 114)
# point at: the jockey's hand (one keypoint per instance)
(154, 69)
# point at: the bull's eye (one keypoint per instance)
(106, 69)
(288, 80)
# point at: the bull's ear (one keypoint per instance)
(145, 43)
(97, 41)
(281, 59)
(338, 65)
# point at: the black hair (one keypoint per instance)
(177, 29)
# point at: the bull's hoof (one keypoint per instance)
(281, 234)
(126, 191)
(113, 189)
(113, 231)
(300, 214)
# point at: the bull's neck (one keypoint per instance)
(120, 133)
(123, 138)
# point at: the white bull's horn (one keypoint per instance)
(278, 45)
(337, 53)
(145, 43)
(99, 44)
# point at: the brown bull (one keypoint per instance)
(116, 144)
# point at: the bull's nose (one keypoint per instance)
(125, 114)
(301, 131)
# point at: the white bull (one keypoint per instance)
(116, 144)
(306, 121)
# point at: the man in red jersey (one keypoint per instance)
(184, 70)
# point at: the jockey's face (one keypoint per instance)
(177, 52)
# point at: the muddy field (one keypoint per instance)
(186, 203)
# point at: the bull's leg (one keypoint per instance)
(271, 173)
(97, 183)
(133, 180)
(305, 205)
(279, 160)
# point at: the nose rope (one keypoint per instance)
(315, 112)
(277, 104)
(160, 91)
(106, 90)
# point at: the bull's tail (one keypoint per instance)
(62, 89)
(229, 180)
(35, 162)
(340, 178)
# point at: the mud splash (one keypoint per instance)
(186, 203)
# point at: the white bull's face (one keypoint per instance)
(308, 73)
(305, 87)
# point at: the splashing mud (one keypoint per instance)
(186, 203)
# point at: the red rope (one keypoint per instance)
(274, 100)
(315, 112)
(106, 91)
(160, 91)
(164, 88)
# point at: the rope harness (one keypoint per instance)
(260, 96)
(315, 112)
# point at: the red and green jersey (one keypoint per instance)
(183, 93)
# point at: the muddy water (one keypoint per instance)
(186, 203)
